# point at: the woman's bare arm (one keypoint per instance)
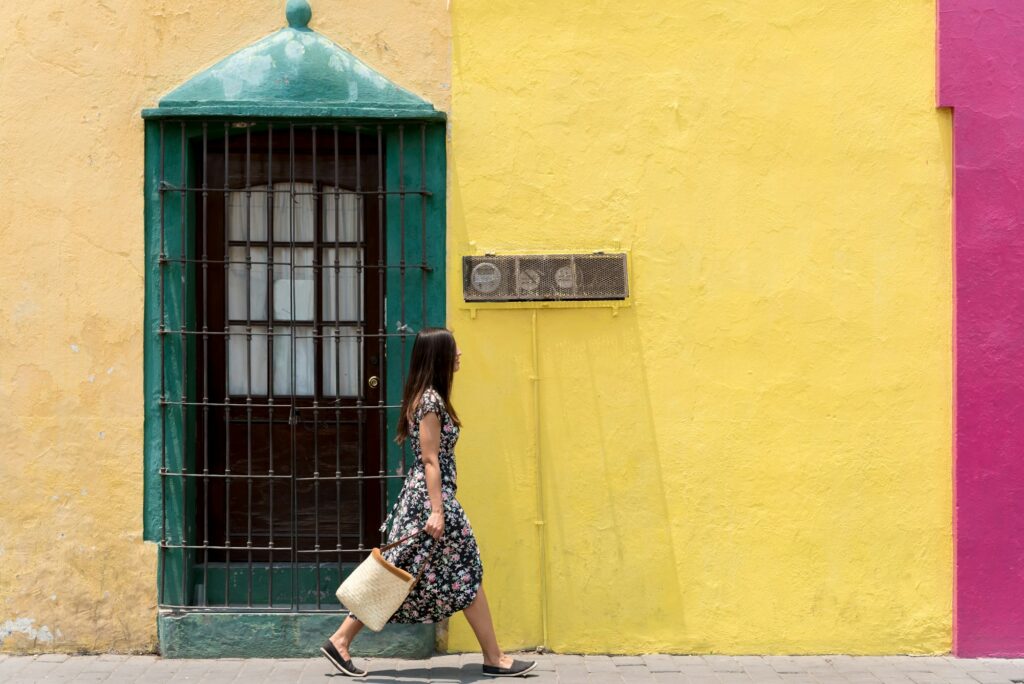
(430, 446)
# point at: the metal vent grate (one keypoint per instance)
(544, 277)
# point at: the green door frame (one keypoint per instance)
(310, 80)
(415, 234)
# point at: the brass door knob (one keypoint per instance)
(373, 382)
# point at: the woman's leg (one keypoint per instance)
(342, 639)
(479, 616)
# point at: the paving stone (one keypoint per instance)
(113, 657)
(797, 678)
(762, 674)
(447, 660)
(912, 663)
(699, 679)
(992, 677)
(132, 670)
(631, 660)
(543, 665)
(689, 661)
(668, 678)
(290, 665)
(123, 679)
(599, 663)
(783, 664)
(989, 664)
(320, 672)
(573, 675)
(831, 678)
(571, 670)
(861, 678)
(734, 678)
(723, 663)
(660, 663)
(35, 670)
(602, 678)
(52, 657)
(98, 665)
(193, 671)
(543, 677)
(635, 673)
(444, 673)
(930, 677)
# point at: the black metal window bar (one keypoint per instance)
(280, 336)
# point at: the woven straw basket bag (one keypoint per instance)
(376, 588)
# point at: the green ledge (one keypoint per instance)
(280, 635)
(294, 73)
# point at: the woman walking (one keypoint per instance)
(453, 578)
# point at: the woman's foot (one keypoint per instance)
(341, 659)
(507, 666)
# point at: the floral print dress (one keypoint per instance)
(454, 573)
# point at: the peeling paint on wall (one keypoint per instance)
(24, 627)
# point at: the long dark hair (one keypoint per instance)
(432, 365)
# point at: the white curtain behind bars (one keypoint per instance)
(293, 282)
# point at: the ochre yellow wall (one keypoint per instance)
(755, 458)
(74, 572)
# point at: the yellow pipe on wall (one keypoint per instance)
(541, 530)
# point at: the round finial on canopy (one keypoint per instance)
(298, 13)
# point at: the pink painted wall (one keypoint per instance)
(981, 76)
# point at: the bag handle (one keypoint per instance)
(406, 538)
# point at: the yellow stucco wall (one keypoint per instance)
(756, 457)
(74, 572)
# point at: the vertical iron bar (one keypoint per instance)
(360, 334)
(423, 235)
(382, 324)
(423, 226)
(206, 380)
(337, 355)
(401, 270)
(271, 197)
(183, 316)
(163, 391)
(293, 376)
(227, 378)
(248, 358)
(317, 323)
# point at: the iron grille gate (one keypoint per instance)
(282, 247)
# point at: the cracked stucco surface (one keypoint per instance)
(74, 572)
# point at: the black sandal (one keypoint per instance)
(345, 667)
(517, 669)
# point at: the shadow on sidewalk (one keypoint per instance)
(469, 672)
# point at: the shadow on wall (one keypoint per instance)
(609, 516)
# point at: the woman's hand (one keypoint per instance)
(435, 525)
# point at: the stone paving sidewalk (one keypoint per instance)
(566, 669)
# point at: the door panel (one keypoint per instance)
(294, 429)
